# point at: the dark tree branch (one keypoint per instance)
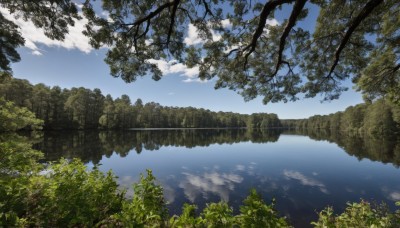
(153, 13)
(267, 9)
(187, 13)
(145, 31)
(396, 68)
(207, 8)
(288, 64)
(172, 18)
(368, 8)
(297, 8)
(231, 51)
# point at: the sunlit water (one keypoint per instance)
(200, 166)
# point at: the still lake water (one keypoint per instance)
(304, 172)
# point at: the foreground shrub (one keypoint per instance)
(147, 208)
(67, 195)
(359, 215)
(255, 213)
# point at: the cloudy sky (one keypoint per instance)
(74, 63)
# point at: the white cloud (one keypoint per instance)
(169, 193)
(36, 52)
(395, 196)
(391, 194)
(240, 167)
(226, 23)
(304, 180)
(173, 67)
(220, 184)
(35, 36)
(192, 37)
(272, 22)
(193, 34)
(197, 80)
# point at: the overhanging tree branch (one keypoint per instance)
(172, 18)
(297, 8)
(207, 8)
(267, 9)
(153, 13)
(368, 8)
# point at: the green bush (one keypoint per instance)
(147, 208)
(66, 195)
(359, 215)
(13, 118)
(255, 213)
(218, 215)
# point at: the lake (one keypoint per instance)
(303, 171)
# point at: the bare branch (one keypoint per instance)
(267, 9)
(297, 8)
(368, 8)
(172, 18)
(153, 13)
(231, 51)
(207, 8)
(145, 31)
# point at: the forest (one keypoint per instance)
(81, 108)
(380, 118)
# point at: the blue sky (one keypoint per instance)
(74, 63)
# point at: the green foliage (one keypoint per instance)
(255, 213)
(17, 155)
(13, 118)
(218, 215)
(65, 194)
(71, 195)
(54, 16)
(147, 208)
(188, 217)
(242, 45)
(8, 53)
(380, 119)
(358, 215)
(81, 108)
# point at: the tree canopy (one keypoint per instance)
(54, 16)
(241, 43)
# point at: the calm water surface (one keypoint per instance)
(304, 172)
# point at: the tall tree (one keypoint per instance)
(108, 120)
(379, 119)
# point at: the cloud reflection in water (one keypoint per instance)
(209, 182)
(304, 180)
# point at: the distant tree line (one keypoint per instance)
(82, 108)
(380, 118)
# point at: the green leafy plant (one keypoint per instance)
(188, 217)
(361, 214)
(147, 208)
(255, 213)
(218, 215)
(13, 118)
